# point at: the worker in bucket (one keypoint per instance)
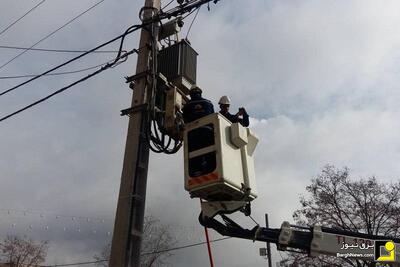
(194, 109)
(197, 106)
(241, 116)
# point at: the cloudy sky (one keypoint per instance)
(318, 78)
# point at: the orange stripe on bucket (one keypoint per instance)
(203, 179)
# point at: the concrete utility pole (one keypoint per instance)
(128, 227)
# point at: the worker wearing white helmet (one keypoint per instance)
(241, 116)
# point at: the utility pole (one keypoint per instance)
(128, 227)
(268, 244)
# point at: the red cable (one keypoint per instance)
(208, 244)
(209, 248)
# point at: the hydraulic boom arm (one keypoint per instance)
(311, 240)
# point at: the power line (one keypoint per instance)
(56, 215)
(190, 13)
(54, 50)
(29, 11)
(143, 254)
(190, 6)
(50, 34)
(52, 74)
(129, 31)
(184, 8)
(187, 246)
(173, 12)
(105, 67)
(74, 264)
(170, 2)
(191, 24)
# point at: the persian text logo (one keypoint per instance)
(385, 250)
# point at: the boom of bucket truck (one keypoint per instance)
(219, 169)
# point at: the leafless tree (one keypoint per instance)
(18, 252)
(157, 240)
(336, 201)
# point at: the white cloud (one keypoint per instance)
(319, 80)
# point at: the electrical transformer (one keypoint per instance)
(178, 63)
(219, 164)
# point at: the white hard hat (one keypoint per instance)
(224, 100)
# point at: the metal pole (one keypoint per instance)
(268, 244)
(128, 227)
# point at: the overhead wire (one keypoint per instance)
(184, 8)
(74, 264)
(105, 67)
(173, 12)
(129, 31)
(142, 254)
(53, 32)
(53, 74)
(187, 246)
(190, 13)
(55, 50)
(191, 24)
(187, 7)
(56, 215)
(23, 16)
(170, 2)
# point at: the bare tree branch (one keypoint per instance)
(22, 252)
(334, 200)
(156, 237)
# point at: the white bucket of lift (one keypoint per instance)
(218, 157)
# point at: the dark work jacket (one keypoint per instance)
(196, 108)
(235, 118)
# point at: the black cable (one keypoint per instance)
(50, 34)
(190, 13)
(57, 215)
(182, 247)
(167, 4)
(156, 144)
(105, 67)
(74, 264)
(174, 12)
(133, 28)
(54, 50)
(142, 254)
(253, 220)
(191, 24)
(168, 14)
(53, 74)
(29, 11)
(184, 8)
(159, 139)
